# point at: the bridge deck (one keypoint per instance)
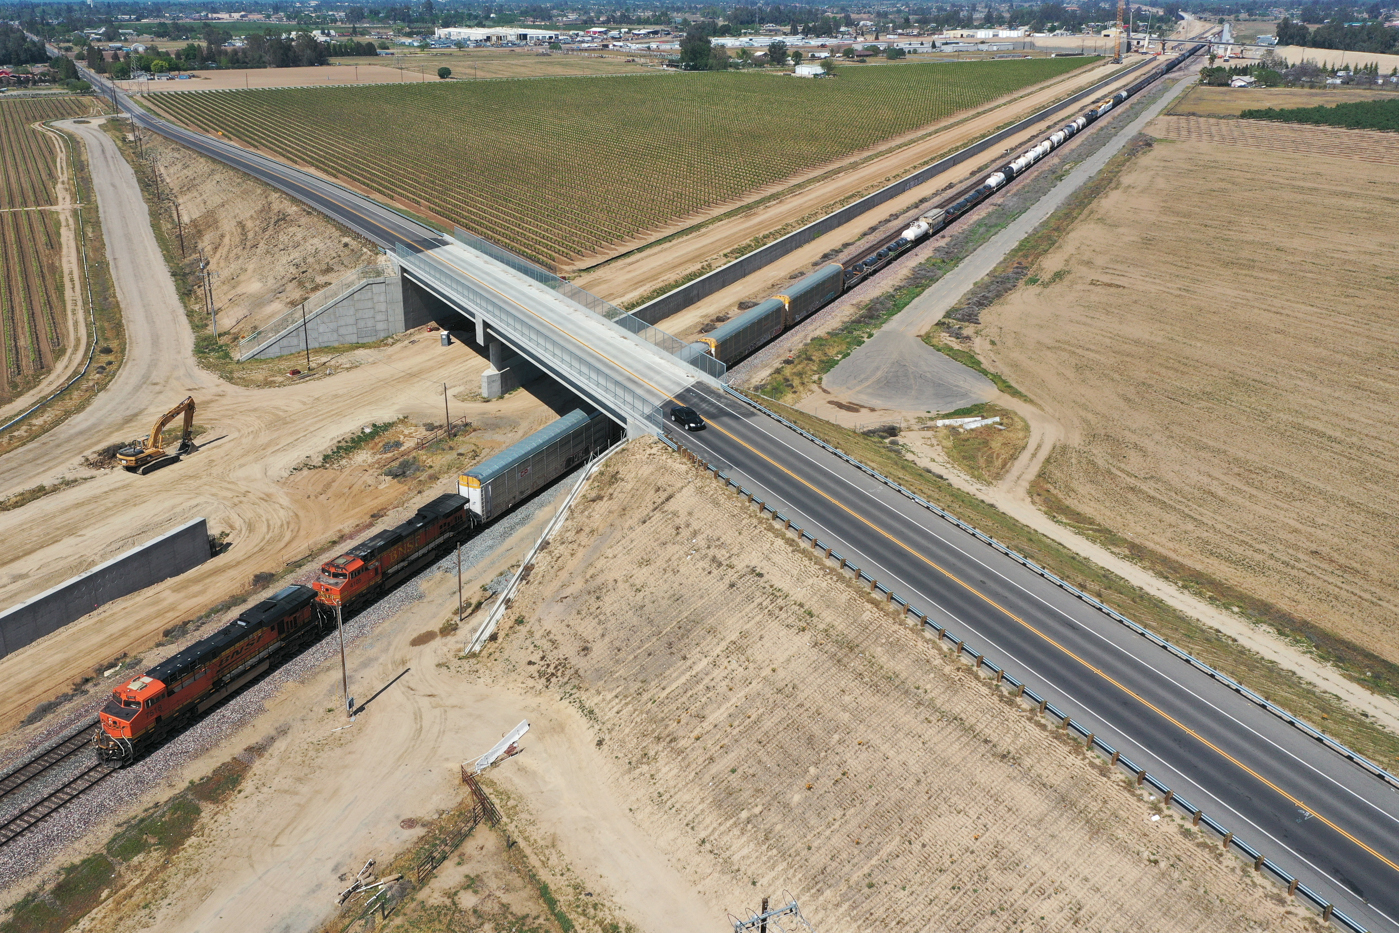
(618, 371)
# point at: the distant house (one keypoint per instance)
(809, 71)
(1242, 81)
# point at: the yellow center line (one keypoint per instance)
(1046, 637)
(934, 565)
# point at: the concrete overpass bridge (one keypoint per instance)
(525, 318)
(1295, 802)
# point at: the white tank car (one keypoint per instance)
(915, 230)
(1058, 138)
(997, 180)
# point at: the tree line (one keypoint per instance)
(1366, 37)
(18, 49)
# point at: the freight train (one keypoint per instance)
(172, 694)
(739, 337)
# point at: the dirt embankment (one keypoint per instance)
(773, 729)
(715, 716)
(268, 252)
(1225, 374)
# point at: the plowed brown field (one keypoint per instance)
(1222, 355)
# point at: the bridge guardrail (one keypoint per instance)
(630, 404)
(689, 353)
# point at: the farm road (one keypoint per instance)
(159, 367)
(896, 370)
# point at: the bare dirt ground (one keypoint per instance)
(1204, 101)
(1235, 419)
(1337, 60)
(692, 749)
(1359, 145)
(268, 252)
(773, 729)
(243, 78)
(472, 64)
(630, 277)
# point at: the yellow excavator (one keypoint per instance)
(146, 455)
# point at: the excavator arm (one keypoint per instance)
(187, 407)
(143, 456)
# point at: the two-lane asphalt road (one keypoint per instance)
(1312, 812)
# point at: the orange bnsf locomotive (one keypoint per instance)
(179, 689)
(364, 572)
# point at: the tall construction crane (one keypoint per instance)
(1121, 14)
(146, 455)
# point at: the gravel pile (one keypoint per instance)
(115, 795)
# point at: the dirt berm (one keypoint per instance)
(770, 728)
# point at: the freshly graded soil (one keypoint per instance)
(775, 729)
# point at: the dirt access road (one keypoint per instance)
(247, 479)
(159, 369)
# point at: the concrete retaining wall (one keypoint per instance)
(371, 310)
(167, 556)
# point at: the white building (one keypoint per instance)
(495, 35)
(809, 71)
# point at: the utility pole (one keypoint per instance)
(179, 225)
(344, 669)
(306, 336)
(459, 599)
(446, 411)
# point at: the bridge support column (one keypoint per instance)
(508, 371)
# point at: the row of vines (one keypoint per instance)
(31, 269)
(563, 168)
(27, 156)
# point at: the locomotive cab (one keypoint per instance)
(134, 708)
(342, 579)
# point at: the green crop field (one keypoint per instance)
(1361, 115)
(561, 168)
(31, 286)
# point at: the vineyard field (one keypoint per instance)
(1359, 115)
(27, 174)
(31, 269)
(560, 169)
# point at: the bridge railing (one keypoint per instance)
(529, 335)
(689, 353)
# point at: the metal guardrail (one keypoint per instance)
(1299, 724)
(689, 353)
(1042, 704)
(314, 304)
(605, 389)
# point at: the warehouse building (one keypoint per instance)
(495, 35)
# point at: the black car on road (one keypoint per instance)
(687, 418)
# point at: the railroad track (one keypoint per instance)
(21, 776)
(32, 815)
